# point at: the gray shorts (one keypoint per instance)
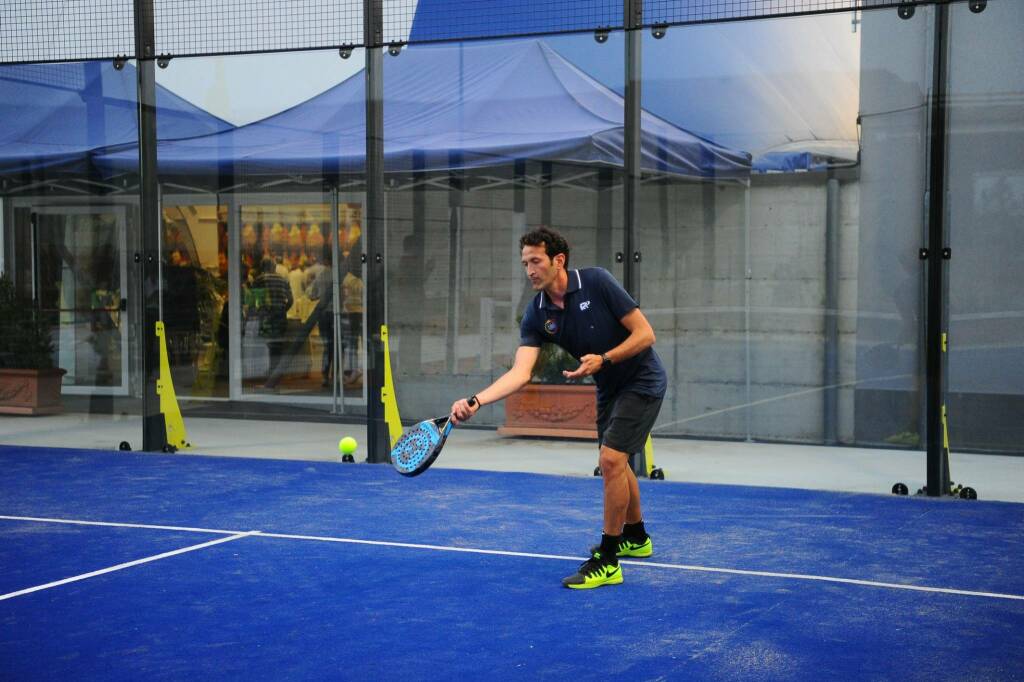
(625, 421)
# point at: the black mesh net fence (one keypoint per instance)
(205, 27)
(65, 30)
(701, 11)
(69, 30)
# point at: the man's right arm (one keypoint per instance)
(507, 384)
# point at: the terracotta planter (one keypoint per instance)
(30, 391)
(566, 411)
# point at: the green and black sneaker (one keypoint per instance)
(595, 572)
(632, 547)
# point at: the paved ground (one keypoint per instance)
(791, 466)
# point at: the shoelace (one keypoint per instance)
(591, 566)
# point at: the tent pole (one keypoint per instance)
(831, 365)
(518, 289)
(337, 388)
(454, 279)
(603, 236)
(415, 255)
(546, 177)
(747, 276)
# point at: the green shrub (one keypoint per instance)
(25, 341)
(550, 364)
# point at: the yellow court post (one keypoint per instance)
(649, 455)
(653, 472)
(387, 393)
(177, 437)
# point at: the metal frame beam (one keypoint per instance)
(936, 253)
(378, 439)
(154, 435)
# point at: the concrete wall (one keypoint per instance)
(693, 287)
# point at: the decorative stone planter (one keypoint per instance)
(565, 411)
(30, 391)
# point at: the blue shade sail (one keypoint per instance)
(58, 114)
(451, 107)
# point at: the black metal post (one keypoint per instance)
(632, 19)
(938, 473)
(378, 440)
(154, 433)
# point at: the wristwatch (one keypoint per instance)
(605, 360)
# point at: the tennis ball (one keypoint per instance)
(347, 445)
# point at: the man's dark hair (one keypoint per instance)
(553, 242)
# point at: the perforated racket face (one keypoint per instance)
(418, 447)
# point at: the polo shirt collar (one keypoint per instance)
(574, 284)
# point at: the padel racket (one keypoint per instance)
(418, 447)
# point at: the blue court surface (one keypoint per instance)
(140, 566)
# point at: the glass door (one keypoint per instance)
(298, 255)
(194, 295)
(79, 275)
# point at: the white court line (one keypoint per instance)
(652, 564)
(236, 534)
(121, 525)
(830, 579)
(119, 567)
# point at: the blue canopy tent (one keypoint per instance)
(472, 19)
(449, 107)
(785, 90)
(56, 115)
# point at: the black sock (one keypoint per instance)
(610, 547)
(635, 531)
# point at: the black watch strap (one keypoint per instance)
(473, 401)
(605, 360)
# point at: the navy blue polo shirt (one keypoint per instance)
(589, 324)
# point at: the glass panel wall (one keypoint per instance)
(782, 206)
(70, 229)
(514, 136)
(985, 219)
(261, 239)
(299, 239)
(787, 295)
(195, 279)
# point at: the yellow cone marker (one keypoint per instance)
(649, 455)
(387, 393)
(174, 424)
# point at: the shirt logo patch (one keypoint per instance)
(551, 327)
(584, 305)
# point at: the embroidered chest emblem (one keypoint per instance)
(551, 326)
(584, 305)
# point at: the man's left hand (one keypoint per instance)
(589, 364)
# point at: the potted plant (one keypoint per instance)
(551, 405)
(29, 382)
